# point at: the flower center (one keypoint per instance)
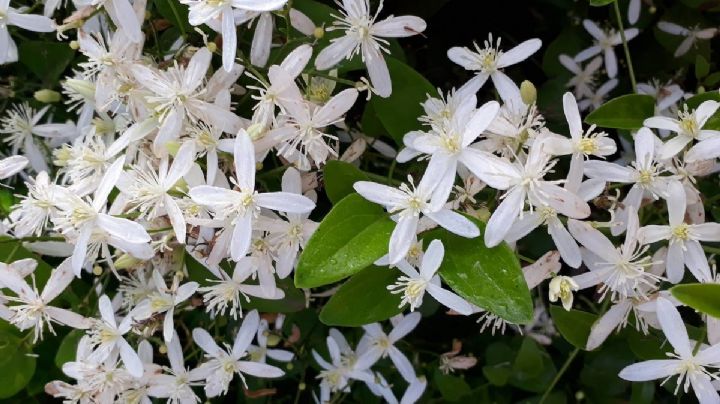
(681, 232)
(451, 143)
(588, 145)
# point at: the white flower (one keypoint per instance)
(689, 126)
(375, 344)
(643, 173)
(617, 317)
(32, 308)
(164, 300)
(584, 79)
(488, 60)
(526, 181)
(451, 146)
(177, 96)
(20, 127)
(83, 218)
(210, 11)
(684, 248)
(690, 367)
(605, 41)
(407, 205)
(287, 237)
(597, 97)
(149, 191)
(562, 287)
(364, 36)
(242, 207)
(222, 364)
(12, 165)
(666, 95)
(300, 136)
(32, 214)
(12, 17)
(226, 291)
(633, 13)
(175, 385)
(106, 336)
(260, 352)
(581, 145)
(414, 284)
(623, 270)
(691, 35)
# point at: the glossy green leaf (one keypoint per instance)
(339, 179)
(175, 12)
(351, 237)
(703, 297)
(452, 388)
(366, 289)
(16, 366)
(600, 3)
(625, 112)
(68, 348)
(399, 113)
(573, 325)
(529, 358)
(36, 54)
(490, 278)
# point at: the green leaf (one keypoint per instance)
(573, 325)
(712, 80)
(399, 112)
(68, 348)
(351, 237)
(490, 278)
(702, 67)
(452, 388)
(370, 123)
(16, 367)
(703, 297)
(339, 179)
(366, 290)
(529, 358)
(625, 112)
(177, 14)
(47, 60)
(600, 3)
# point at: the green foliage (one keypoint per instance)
(17, 365)
(491, 278)
(353, 235)
(703, 297)
(573, 325)
(35, 55)
(366, 289)
(339, 179)
(624, 112)
(399, 113)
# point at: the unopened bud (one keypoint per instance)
(528, 92)
(97, 270)
(47, 96)
(302, 386)
(74, 45)
(126, 261)
(172, 147)
(256, 131)
(701, 89)
(212, 47)
(273, 340)
(289, 366)
(163, 349)
(319, 32)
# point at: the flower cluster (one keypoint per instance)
(179, 193)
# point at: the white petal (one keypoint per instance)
(607, 323)
(592, 239)
(504, 216)
(402, 238)
(332, 54)
(334, 109)
(519, 53)
(432, 259)
(650, 370)
(124, 229)
(130, 358)
(399, 27)
(229, 36)
(454, 223)
(673, 327)
(262, 40)
(377, 70)
(572, 115)
(246, 333)
(449, 299)
(285, 202)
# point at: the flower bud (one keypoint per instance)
(212, 47)
(74, 45)
(528, 92)
(273, 340)
(163, 349)
(563, 287)
(319, 32)
(126, 261)
(47, 96)
(97, 270)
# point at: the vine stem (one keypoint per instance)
(625, 46)
(562, 371)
